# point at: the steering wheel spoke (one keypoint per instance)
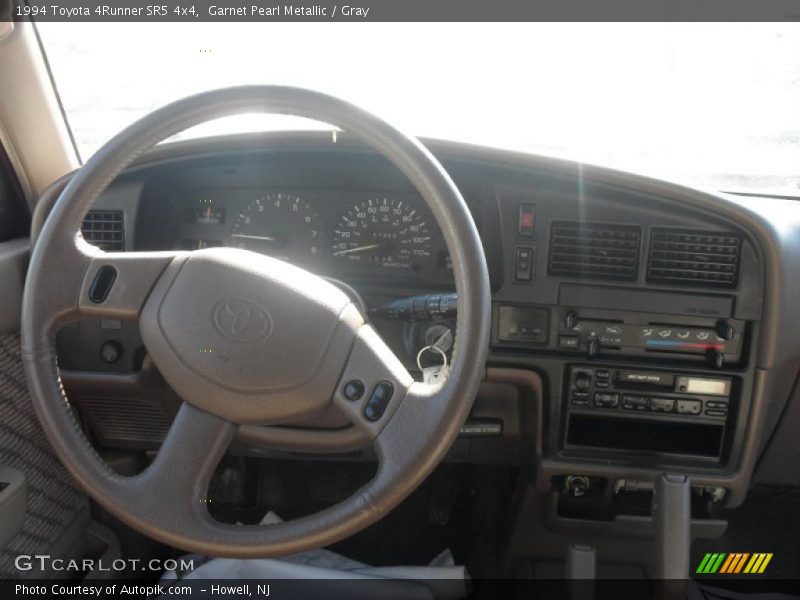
(373, 384)
(116, 285)
(177, 479)
(412, 426)
(85, 281)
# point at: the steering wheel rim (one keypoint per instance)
(167, 500)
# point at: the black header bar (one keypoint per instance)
(155, 11)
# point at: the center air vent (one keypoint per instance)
(687, 257)
(104, 229)
(594, 250)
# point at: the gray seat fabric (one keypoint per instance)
(442, 579)
(441, 582)
(54, 500)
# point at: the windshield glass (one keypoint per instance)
(713, 105)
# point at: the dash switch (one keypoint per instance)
(527, 220)
(523, 263)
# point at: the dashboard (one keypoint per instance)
(637, 325)
(355, 219)
(336, 233)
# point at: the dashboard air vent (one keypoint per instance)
(687, 257)
(104, 229)
(594, 250)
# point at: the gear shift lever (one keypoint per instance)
(672, 521)
(581, 572)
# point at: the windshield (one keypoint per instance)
(713, 105)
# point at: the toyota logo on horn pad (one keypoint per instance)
(242, 320)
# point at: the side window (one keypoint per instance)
(14, 216)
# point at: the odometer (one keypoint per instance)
(383, 231)
(280, 224)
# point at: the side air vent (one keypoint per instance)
(594, 250)
(687, 257)
(104, 229)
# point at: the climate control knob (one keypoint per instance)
(570, 320)
(724, 330)
(593, 346)
(715, 358)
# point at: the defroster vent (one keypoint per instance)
(594, 250)
(688, 257)
(105, 229)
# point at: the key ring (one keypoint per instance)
(437, 349)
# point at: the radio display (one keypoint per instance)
(709, 387)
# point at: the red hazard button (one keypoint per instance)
(527, 219)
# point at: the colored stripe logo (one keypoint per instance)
(734, 563)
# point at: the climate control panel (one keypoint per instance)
(718, 342)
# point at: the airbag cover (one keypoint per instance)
(248, 337)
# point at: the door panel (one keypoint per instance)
(13, 264)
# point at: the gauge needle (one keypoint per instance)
(263, 238)
(357, 249)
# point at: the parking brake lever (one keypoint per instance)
(672, 520)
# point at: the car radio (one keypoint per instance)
(648, 393)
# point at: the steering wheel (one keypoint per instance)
(246, 339)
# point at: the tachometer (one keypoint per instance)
(384, 231)
(280, 224)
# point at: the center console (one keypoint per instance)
(648, 411)
(642, 316)
(663, 386)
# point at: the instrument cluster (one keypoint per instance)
(327, 232)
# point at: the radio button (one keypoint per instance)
(580, 398)
(634, 402)
(606, 400)
(601, 385)
(665, 405)
(689, 407)
(716, 413)
(583, 381)
(603, 374)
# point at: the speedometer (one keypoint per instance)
(383, 231)
(280, 224)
